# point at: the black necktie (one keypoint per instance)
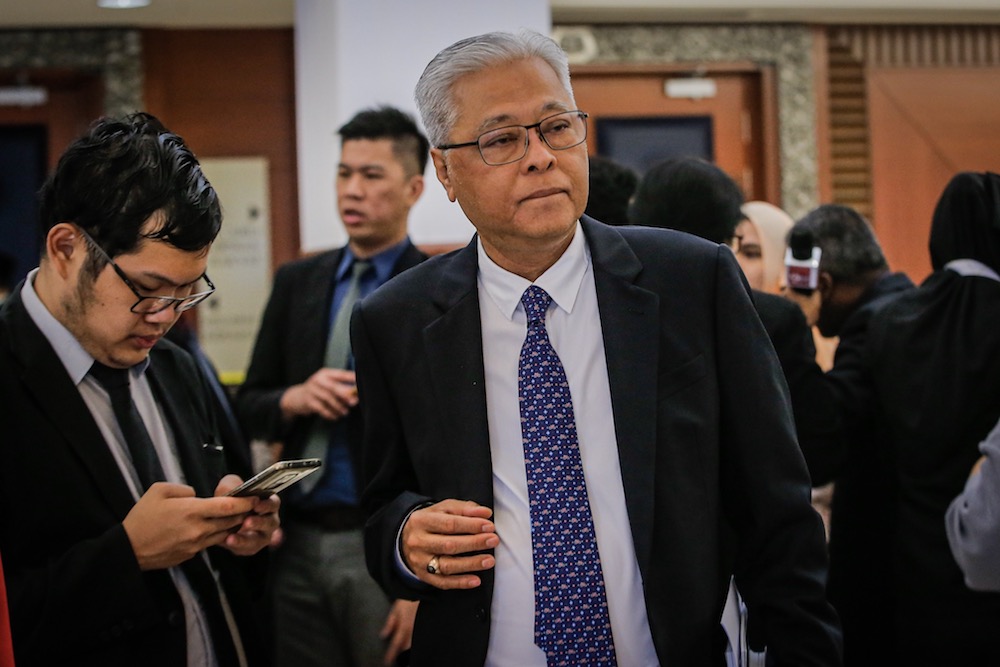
(147, 465)
(144, 459)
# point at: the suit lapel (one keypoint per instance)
(410, 258)
(454, 346)
(183, 419)
(630, 321)
(314, 315)
(57, 398)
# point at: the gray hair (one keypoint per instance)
(433, 92)
(850, 249)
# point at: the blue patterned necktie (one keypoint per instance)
(572, 624)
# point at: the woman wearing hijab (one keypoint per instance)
(761, 250)
(934, 364)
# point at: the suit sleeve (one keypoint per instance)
(781, 559)
(973, 521)
(258, 400)
(817, 420)
(388, 471)
(52, 594)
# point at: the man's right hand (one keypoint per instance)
(447, 532)
(169, 525)
(329, 393)
(810, 304)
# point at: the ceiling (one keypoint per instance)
(280, 13)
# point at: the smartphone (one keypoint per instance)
(277, 477)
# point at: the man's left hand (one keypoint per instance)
(398, 629)
(258, 526)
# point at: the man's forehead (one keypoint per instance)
(371, 153)
(517, 92)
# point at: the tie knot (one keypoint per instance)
(359, 268)
(109, 378)
(536, 301)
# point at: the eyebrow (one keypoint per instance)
(557, 107)
(164, 279)
(360, 167)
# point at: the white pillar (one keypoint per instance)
(352, 54)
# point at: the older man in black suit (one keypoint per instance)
(574, 433)
(115, 550)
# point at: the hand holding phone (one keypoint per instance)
(277, 477)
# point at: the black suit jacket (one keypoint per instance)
(863, 514)
(290, 346)
(714, 482)
(933, 358)
(77, 595)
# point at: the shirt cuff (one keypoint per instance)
(401, 566)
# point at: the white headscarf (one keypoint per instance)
(772, 225)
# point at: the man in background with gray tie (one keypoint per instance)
(575, 433)
(300, 390)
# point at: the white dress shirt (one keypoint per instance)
(574, 327)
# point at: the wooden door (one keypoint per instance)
(736, 127)
(32, 138)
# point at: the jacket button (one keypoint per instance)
(481, 615)
(175, 618)
(116, 631)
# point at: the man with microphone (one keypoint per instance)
(838, 275)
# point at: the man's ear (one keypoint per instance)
(443, 174)
(826, 284)
(414, 188)
(65, 248)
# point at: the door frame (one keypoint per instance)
(766, 127)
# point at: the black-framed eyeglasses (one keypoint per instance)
(504, 145)
(150, 305)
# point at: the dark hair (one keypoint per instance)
(850, 249)
(611, 187)
(115, 177)
(689, 194)
(408, 142)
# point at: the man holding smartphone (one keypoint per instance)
(120, 546)
(299, 390)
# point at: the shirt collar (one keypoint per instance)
(384, 262)
(972, 267)
(561, 280)
(74, 358)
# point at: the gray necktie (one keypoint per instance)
(338, 354)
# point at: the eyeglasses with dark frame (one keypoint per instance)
(150, 305)
(503, 145)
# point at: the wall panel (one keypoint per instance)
(230, 93)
